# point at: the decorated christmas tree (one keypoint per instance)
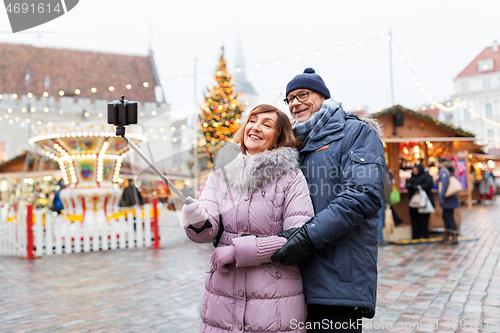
(220, 116)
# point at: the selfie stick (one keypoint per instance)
(120, 131)
(155, 169)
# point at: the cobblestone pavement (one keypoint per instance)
(422, 288)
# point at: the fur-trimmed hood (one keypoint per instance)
(251, 172)
(374, 124)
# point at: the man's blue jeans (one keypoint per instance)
(381, 221)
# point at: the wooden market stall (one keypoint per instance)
(25, 173)
(479, 164)
(411, 137)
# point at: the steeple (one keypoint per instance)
(241, 82)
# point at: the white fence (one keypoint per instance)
(57, 235)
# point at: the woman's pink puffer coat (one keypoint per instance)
(258, 197)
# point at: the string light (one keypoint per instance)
(448, 107)
(278, 61)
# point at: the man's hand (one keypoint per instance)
(297, 249)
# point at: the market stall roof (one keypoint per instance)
(400, 124)
(29, 165)
(486, 157)
(432, 139)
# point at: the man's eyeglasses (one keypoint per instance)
(301, 97)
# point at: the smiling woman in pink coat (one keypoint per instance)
(258, 194)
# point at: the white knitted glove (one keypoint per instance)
(194, 214)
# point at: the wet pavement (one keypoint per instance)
(422, 288)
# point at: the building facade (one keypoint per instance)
(40, 86)
(478, 87)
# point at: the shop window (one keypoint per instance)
(3, 152)
(465, 86)
(488, 110)
(491, 133)
(486, 84)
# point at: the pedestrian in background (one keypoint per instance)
(386, 199)
(420, 221)
(131, 196)
(446, 170)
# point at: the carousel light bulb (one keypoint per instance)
(93, 90)
(73, 134)
(45, 94)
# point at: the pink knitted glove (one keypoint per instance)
(194, 214)
(222, 256)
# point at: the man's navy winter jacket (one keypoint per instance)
(345, 169)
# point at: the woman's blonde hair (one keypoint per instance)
(286, 138)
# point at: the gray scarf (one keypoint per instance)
(307, 130)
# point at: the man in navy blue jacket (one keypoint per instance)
(344, 163)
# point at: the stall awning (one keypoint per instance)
(437, 139)
(486, 156)
(31, 174)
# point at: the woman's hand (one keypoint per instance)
(222, 256)
(194, 214)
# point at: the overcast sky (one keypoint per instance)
(439, 38)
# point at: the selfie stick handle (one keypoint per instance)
(155, 169)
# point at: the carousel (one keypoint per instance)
(90, 156)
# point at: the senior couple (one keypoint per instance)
(295, 215)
